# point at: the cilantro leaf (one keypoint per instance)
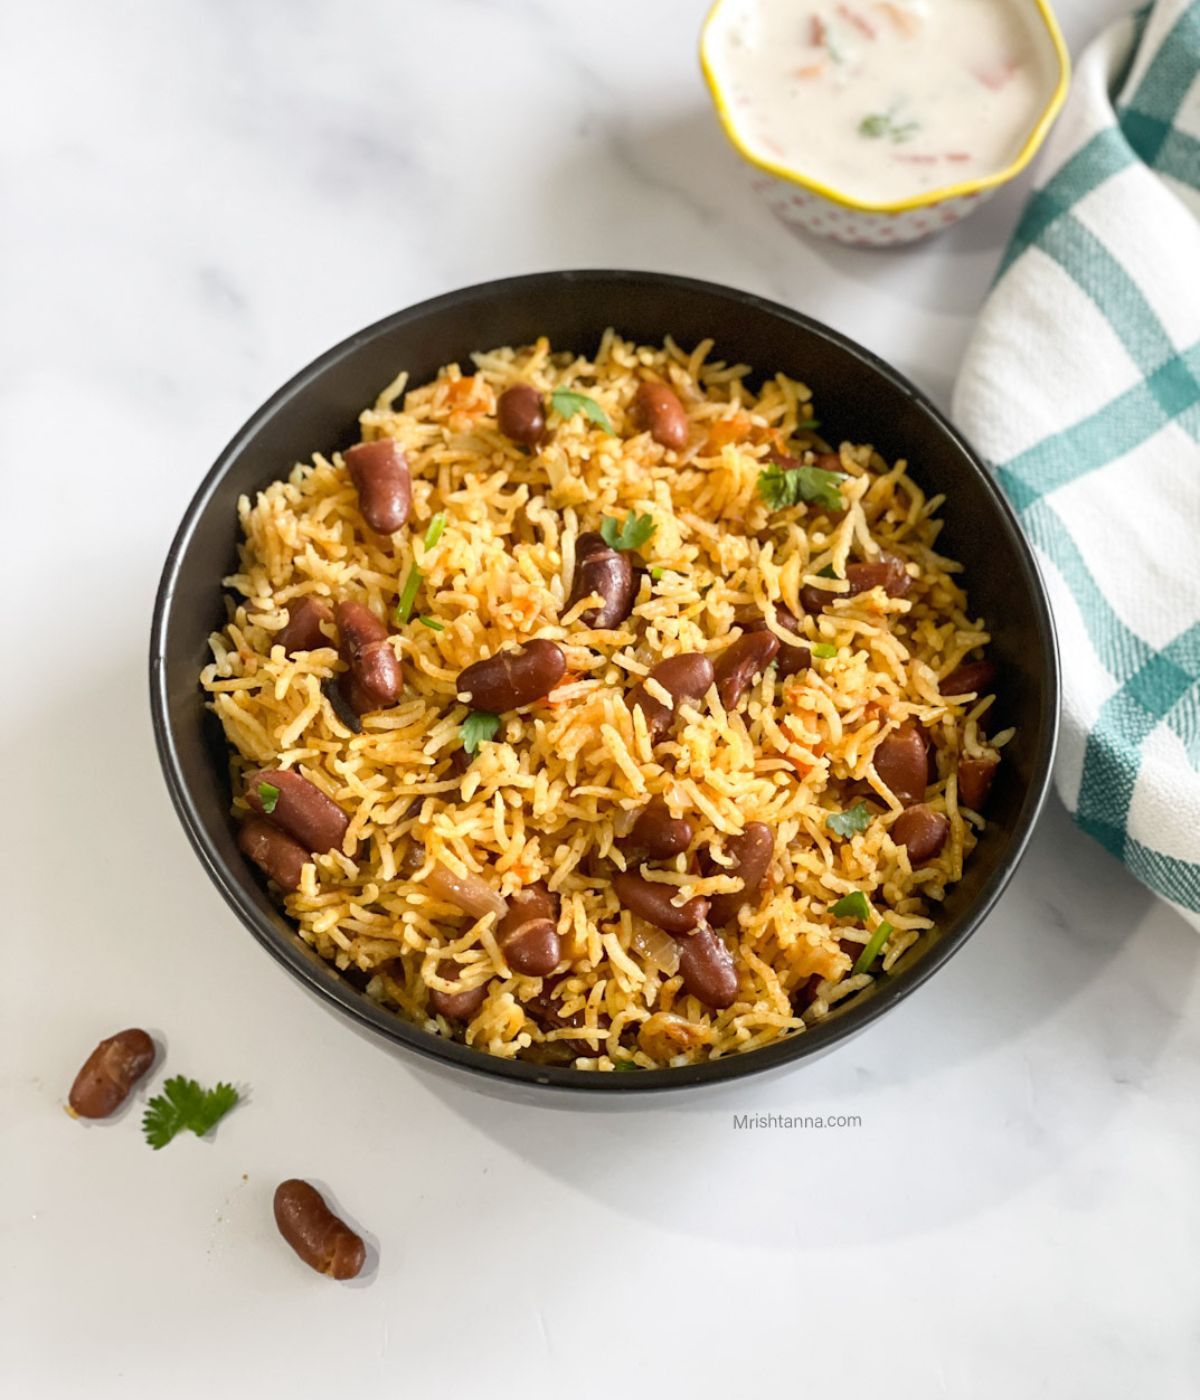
(478, 726)
(431, 622)
(268, 795)
(871, 951)
(854, 818)
(880, 124)
(823, 649)
(781, 487)
(656, 573)
(852, 906)
(568, 402)
(185, 1104)
(624, 1067)
(436, 526)
(632, 534)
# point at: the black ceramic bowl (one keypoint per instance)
(859, 398)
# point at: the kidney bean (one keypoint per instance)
(975, 781)
(521, 415)
(324, 1242)
(923, 831)
(901, 761)
(546, 1010)
(528, 933)
(687, 676)
(886, 572)
(609, 572)
(342, 692)
(752, 850)
(658, 833)
(652, 902)
(806, 993)
(274, 852)
(789, 658)
(302, 631)
(110, 1072)
(380, 474)
(513, 678)
(815, 600)
(366, 650)
(972, 677)
(657, 408)
(301, 809)
(706, 966)
(741, 663)
(456, 1006)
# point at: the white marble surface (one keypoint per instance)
(201, 197)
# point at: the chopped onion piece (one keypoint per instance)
(657, 947)
(473, 895)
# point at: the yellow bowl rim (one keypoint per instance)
(920, 201)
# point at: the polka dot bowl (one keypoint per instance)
(806, 204)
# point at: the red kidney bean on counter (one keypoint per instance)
(751, 850)
(300, 808)
(707, 968)
(528, 933)
(325, 1243)
(685, 677)
(512, 678)
(658, 833)
(972, 677)
(381, 477)
(902, 762)
(608, 572)
(521, 415)
(273, 851)
(923, 831)
(658, 409)
(741, 663)
(110, 1072)
(651, 901)
(302, 631)
(456, 1006)
(368, 653)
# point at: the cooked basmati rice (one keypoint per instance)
(551, 797)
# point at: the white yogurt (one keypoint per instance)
(883, 101)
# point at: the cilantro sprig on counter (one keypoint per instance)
(184, 1104)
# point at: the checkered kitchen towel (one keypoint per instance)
(1081, 387)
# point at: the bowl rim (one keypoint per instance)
(321, 978)
(959, 190)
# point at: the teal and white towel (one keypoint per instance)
(1081, 387)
